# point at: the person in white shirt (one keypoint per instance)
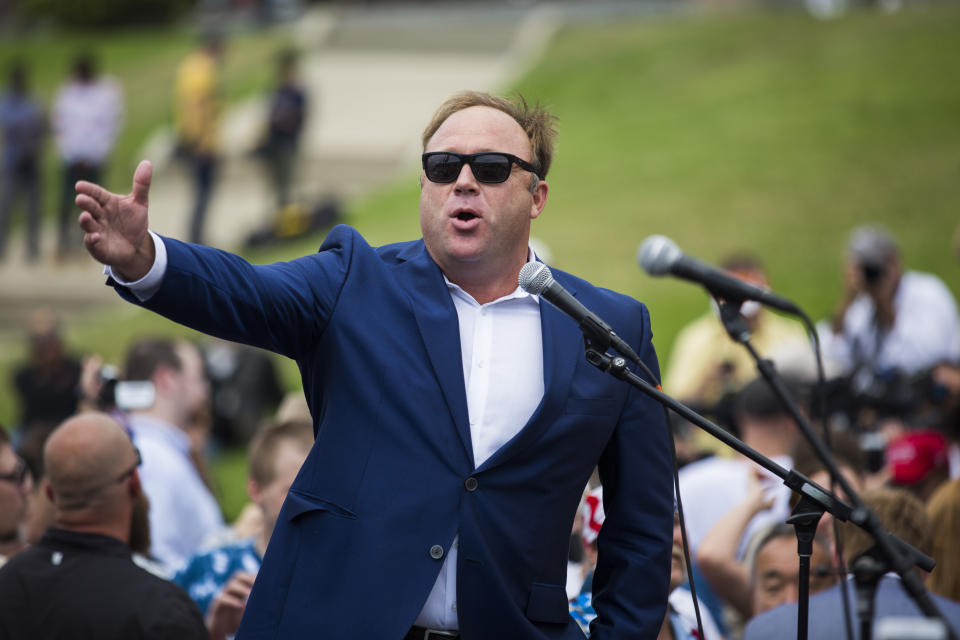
(712, 487)
(86, 119)
(890, 320)
(183, 512)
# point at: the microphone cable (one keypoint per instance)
(676, 488)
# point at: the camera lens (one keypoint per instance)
(871, 272)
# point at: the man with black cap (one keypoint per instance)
(890, 319)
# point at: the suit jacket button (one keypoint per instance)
(471, 484)
(436, 552)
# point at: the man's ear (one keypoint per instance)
(254, 490)
(539, 198)
(135, 487)
(48, 490)
(162, 378)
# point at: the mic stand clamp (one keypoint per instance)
(805, 517)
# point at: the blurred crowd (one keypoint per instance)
(891, 402)
(85, 121)
(113, 461)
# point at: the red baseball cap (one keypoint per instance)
(912, 457)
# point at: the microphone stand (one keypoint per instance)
(867, 571)
(821, 499)
(888, 553)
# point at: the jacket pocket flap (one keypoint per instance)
(297, 504)
(548, 603)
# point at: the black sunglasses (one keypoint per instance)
(490, 167)
(19, 474)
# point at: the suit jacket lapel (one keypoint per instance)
(440, 330)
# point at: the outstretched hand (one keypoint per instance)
(115, 227)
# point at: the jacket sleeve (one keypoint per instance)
(632, 578)
(283, 307)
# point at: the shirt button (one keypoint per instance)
(471, 484)
(436, 552)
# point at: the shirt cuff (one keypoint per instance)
(145, 287)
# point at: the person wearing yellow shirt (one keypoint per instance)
(198, 105)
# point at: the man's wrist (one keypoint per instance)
(150, 282)
(143, 259)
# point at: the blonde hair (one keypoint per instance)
(900, 512)
(266, 442)
(535, 121)
(944, 511)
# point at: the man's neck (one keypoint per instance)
(12, 546)
(113, 530)
(486, 284)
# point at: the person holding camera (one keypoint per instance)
(891, 319)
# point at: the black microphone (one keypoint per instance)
(536, 279)
(659, 255)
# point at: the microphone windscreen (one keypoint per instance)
(658, 254)
(534, 277)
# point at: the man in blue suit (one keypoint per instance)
(456, 418)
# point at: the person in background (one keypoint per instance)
(219, 579)
(849, 457)
(288, 109)
(680, 622)
(712, 487)
(86, 118)
(775, 568)
(172, 392)
(943, 509)
(244, 388)
(22, 128)
(198, 104)
(46, 386)
(891, 320)
(901, 514)
(16, 499)
(79, 580)
(705, 364)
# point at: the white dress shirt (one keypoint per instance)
(183, 512)
(501, 345)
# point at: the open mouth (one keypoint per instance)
(466, 216)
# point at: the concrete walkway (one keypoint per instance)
(374, 74)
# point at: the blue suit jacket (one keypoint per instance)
(375, 334)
